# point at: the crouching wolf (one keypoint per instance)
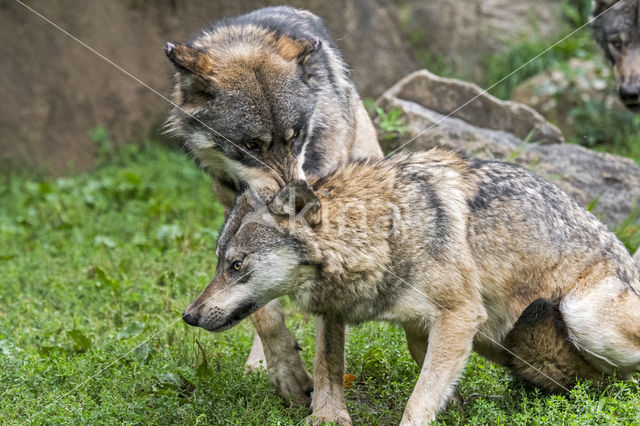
(618, 32)
(464, 254)
(260, 100)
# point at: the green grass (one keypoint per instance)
(526, 54)
(95, 270)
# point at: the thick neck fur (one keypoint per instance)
(367, 209)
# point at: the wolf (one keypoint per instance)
(616, 27)
(464, 254)
(260, 100)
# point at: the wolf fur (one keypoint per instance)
(263, 99)
(464, 254)
(618, 32)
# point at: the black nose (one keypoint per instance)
(630, 93)
(189, 317)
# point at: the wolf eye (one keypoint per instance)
(616, 44)
(236, 265)
(252, 146)
(296, 133)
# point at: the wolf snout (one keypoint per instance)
(190, 316)
(630, 94)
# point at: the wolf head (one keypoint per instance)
(262, 254)
(244, 96)
(617, 30)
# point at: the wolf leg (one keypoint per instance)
(450, 340)
(603, 321)
(256, 358)
(636, 257)
(281, 353)
(328, 404)
(417, 342)
(538, 350)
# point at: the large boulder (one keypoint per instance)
(54, 90)
(608, 184)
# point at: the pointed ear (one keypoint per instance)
(600, 6)
(190, 59)
(298, 50)
(297, 199)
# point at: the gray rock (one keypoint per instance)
(609, 184)
(468, 102)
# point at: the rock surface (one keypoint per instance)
(55, 90)
(459, 33)
(609, 183)
(468, 102)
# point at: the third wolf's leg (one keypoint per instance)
(636, 257)
(282, 355)
(256, 358)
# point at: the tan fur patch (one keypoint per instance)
(291, 49)
(191, 59)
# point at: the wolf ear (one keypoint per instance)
(298, 50)
(297, 198)
(599, 6)
(193, 60)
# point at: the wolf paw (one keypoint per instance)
(293, 384)
(340, 417)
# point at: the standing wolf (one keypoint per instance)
(462, 253)
(618, 33)
(263, 99)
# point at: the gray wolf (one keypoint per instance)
(618, 33)
(263, 99)
(464, 254)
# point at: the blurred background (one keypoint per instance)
(59, 98)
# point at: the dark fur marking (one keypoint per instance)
(538, 344)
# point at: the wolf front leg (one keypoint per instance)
(282, 355)
(328, 404)
(450, 340)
